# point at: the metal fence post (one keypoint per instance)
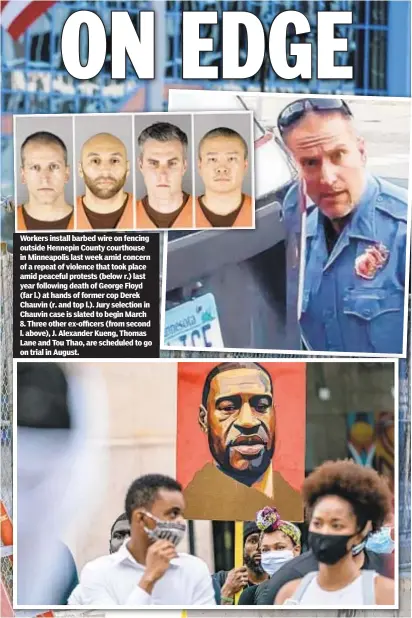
(398, 67)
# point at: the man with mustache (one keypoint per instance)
(250, 574)
(237, 413)
(354, 281)
(104, 168)
(163, 163)
(222, 165)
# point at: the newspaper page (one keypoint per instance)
(205, 317)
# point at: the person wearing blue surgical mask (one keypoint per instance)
(381, 542)
(279, 545)
(280, 542)
(344, 502)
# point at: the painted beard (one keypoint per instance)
(254, 566)
(256, 468)
(104, 193)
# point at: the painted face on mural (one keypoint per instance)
(240, 423)
(385, 447)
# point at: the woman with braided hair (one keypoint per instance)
(344, 502)
(279, 542)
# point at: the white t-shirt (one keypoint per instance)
(350, 595)
(113, 580)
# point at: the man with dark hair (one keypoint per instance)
(104, 167)
(45, 171)
(354, 279)
(250, 574)
(163, 163)
(147, 570)
(119, 532)
(237, 414)
(222, 165)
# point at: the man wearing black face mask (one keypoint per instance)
(345, 502)
(147, 569)
(307, 562)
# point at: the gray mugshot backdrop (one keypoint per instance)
(184, 122)
(240, 122)
(119, 125)
(62, 126)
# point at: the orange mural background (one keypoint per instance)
(289, 384)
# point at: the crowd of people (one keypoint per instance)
(343, 555)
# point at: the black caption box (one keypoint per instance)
(86, 295)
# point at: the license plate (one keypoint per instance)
(194, 324)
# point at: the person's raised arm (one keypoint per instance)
(158, 559)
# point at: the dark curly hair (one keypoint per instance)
(362, 487)
(144, 491)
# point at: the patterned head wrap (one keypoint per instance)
(268, 520)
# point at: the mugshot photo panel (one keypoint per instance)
(87, 126)
(222, 124)
(184, 123)
(164, 171)
(59, 126)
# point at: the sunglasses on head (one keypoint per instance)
(293, 112)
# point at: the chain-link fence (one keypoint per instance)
(6, 419)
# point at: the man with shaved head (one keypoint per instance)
(237, 415)
(45, 172)
(104, 167)
(354, 280)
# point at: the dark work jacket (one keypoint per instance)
(265, 593)
(219, 580)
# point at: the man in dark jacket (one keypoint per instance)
(250, 574)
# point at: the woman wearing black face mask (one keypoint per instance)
(345, 502)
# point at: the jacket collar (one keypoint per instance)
(362, 224)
